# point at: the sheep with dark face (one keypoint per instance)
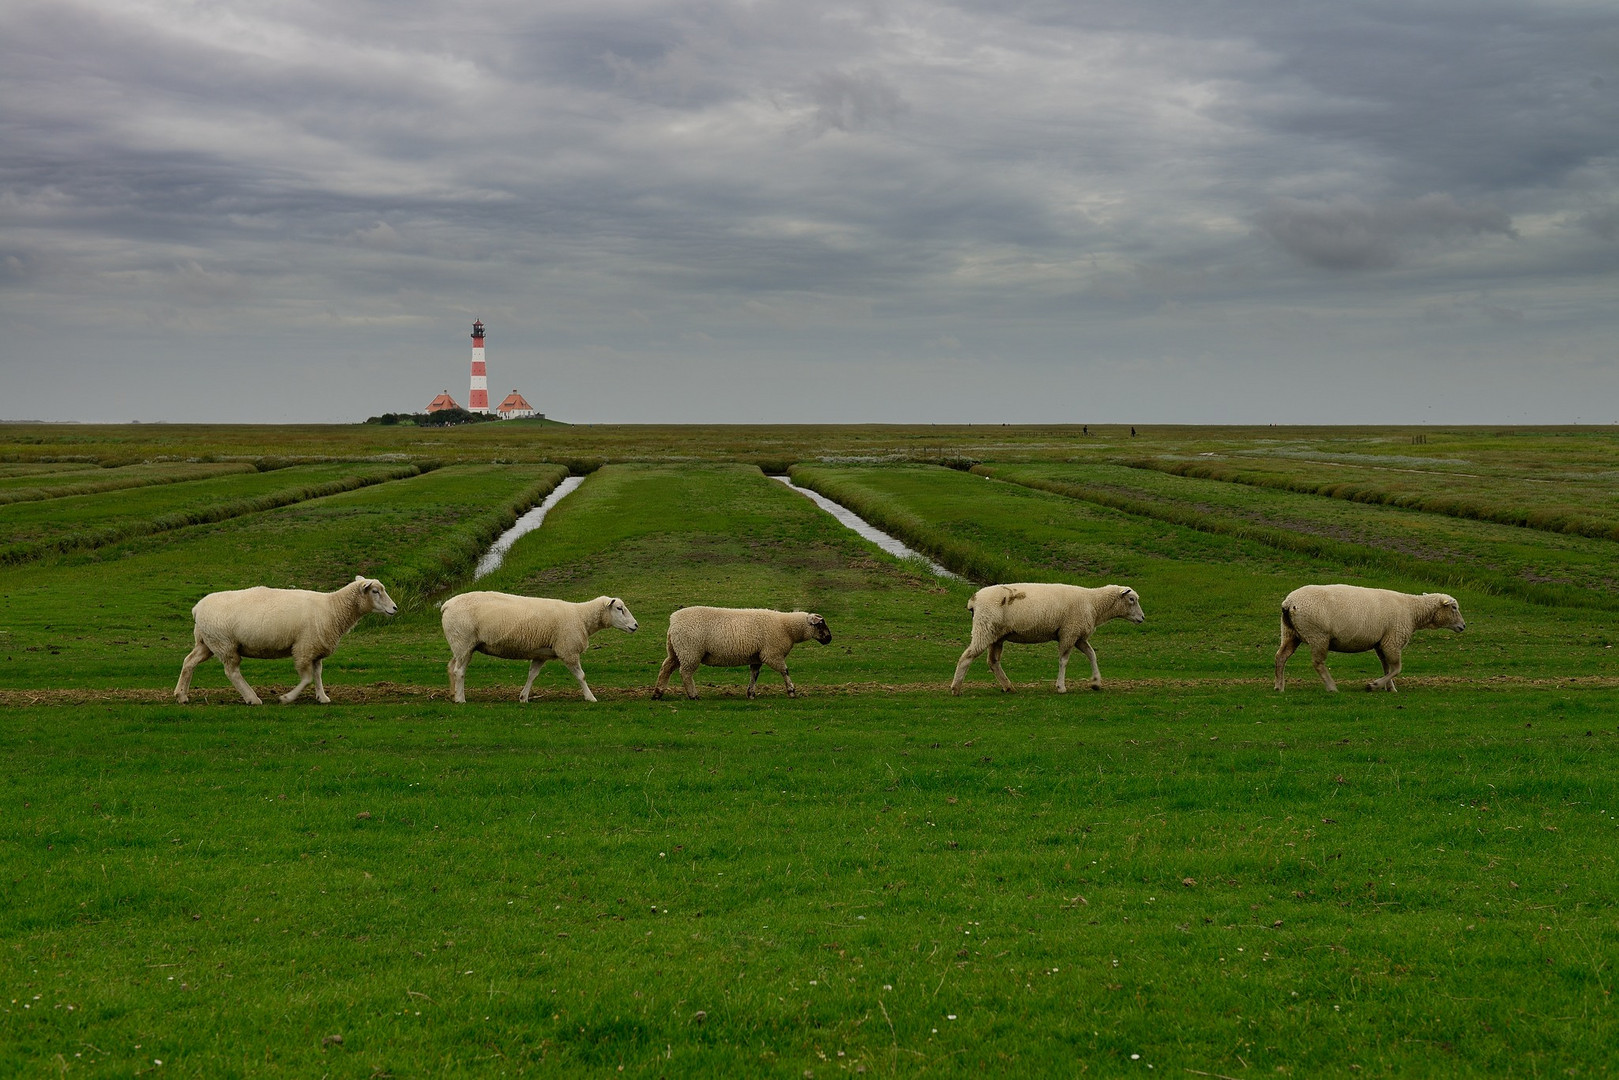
(531, 628)
(1030, 613)
(266, 624)
(1351, 619)
(734, 637)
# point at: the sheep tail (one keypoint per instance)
(1287, 617)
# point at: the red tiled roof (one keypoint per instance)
(442, 402)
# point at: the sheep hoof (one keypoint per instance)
(590, 698)
(1062, 689)
(1096, 686)
(180, 699)
(324, 700)
(792, 693)
(657, 695)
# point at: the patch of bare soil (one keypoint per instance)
(386, 693)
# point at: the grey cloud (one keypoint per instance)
(774, 185)
(853, 101)
(1348, 234)
(1603, 223)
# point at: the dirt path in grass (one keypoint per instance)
(386, 693)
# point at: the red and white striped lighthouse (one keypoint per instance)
(479, 398)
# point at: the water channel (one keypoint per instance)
(854, 521)
(522, 527)
(848, 518)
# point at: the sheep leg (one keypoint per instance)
(320, 687)
(753, 680)
(1318, 657)
(233, 672)
(306, 675)
(182, 689)
(686, 673)
(1290, 643)
(668, 669)
(533, 670)
(458, 675)
(579, 674)
(1084, 645)
(973, 652)
(780, 667)
(1391, 667)
(995, 666)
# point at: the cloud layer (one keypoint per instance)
(772, 211)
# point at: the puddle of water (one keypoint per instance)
(524, 525)
(860, 525)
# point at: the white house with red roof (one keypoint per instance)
(515, 407)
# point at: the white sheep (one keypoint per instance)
(732, 637)
(529, 628)
(1351, 619)
(1030, 613)
(267, 624)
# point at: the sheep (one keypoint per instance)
(267, 624)
(1031, 613)
(529, 628)
(731, 637)
(1351, 619)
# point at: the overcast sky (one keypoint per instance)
(666, 210)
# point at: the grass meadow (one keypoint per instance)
(1185, 874)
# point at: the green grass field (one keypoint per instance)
(1186, 874)
(95, 520)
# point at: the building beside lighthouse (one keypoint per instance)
(514, 407)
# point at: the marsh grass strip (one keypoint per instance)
(204, 512)
(1547, 511)
(28, 488)
(1346, 552)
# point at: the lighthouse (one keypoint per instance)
(479, 397)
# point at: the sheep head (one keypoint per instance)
(818, 627)
(1447, 615)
